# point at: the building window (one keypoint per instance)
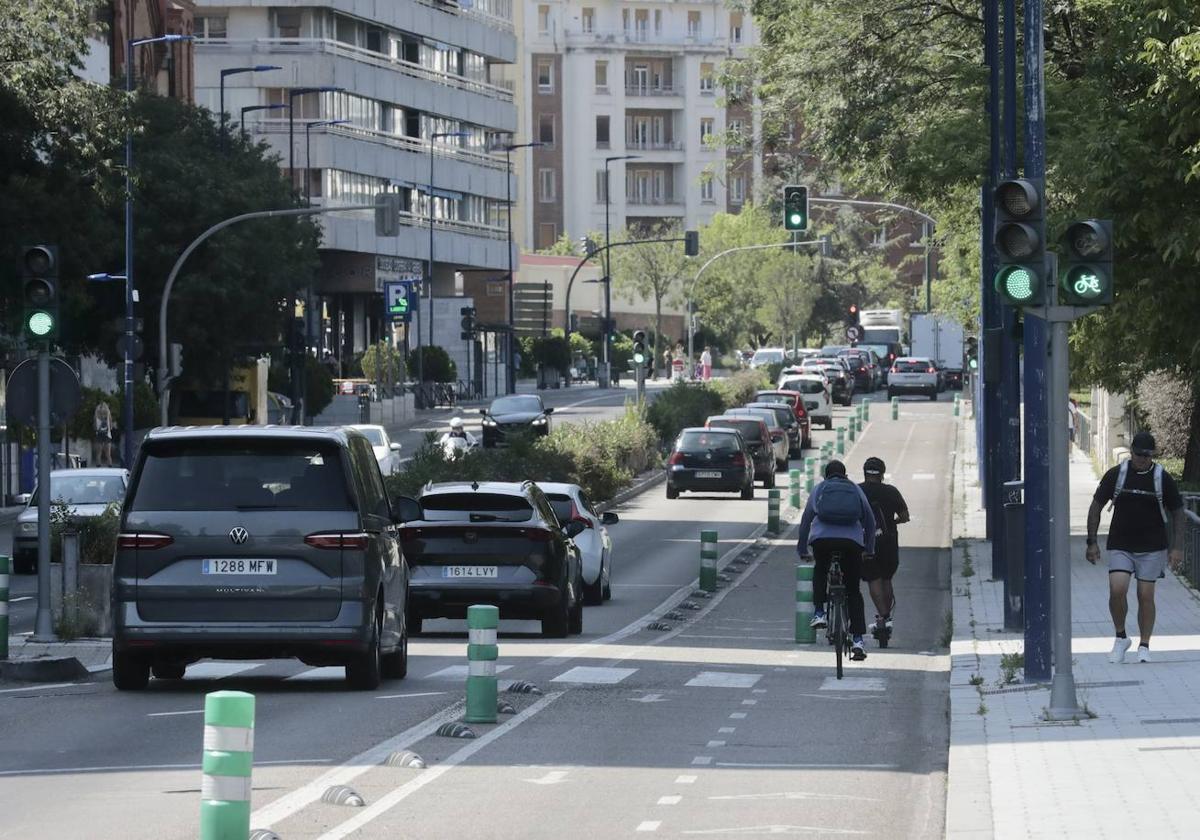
(547, 186)
(706, 189)
(602, 138)
(214, 26)
(736, 139)
(601, 187)
(547, 235)
(602, 77)
(287, 24)
(706, 77)
(735, 28)
(543, 20)
(545, 76)
(693, 30)
(588, 19)
(706, 129)
(658, 22)
(546, 129)
(737, 189)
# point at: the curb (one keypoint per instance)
(44, 669)
(636, 489)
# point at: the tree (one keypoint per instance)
(651, 271)
(382, 359)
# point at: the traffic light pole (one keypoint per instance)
(43, 623)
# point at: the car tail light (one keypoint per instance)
(410, 534)
(577, 517)
(932, 370)
(539, 535)
(739, 460)
(337, 540)
(144, 542)
(676, 458)
(776, 435)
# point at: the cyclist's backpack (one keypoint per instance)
(1123, 472)
(839, 502)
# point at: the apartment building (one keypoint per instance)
(601, 79)
(406, 84)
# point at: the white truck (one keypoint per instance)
(941, 339)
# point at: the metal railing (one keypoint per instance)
(418, 220)
(1084, 437)
(652, 200)
(1191, 549)
(655, 145)
(645, 36)
(650, 90)
(378, 59)
(494, 12)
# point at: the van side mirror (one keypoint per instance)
(406, 509)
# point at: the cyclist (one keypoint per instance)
(838, 518)
(890, 510)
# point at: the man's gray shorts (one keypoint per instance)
(1148, 565)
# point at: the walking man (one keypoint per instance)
(1139, 542)
(838, 520)
(890, 510)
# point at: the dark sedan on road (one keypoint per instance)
(713, 460)
(521, 413)
(758, 440)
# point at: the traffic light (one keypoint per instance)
(639, 347)
(972, 353)
(39, 291)
(1087, 278)
(852, 315)
(468, 322)
(795, 208)
(691, 243)
(1019, 237)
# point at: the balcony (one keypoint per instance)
(496, 13)
(645, 39)
(647, 90)
(654, 145)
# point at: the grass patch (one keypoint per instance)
(968, 568)
(982, 710)
(947, 630)
(1010, 664)
(976, 680)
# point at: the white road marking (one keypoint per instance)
(174, 714)
(737, 716)
(389, 800)
(686, 780)
(796, 794)
(218, 670)
(722, 679)
(738, 637)
(459, 672)
(768, 766)
(649, 825)
(775, 829)
(327, 672)
(552, 777)
(37, 687)
(923, 477)
(594, 675)
(833, 695)
(19, 600)
(854, 684)
(701, 760)
(726, 730)
(669, 800)
(749, 702)
(713, 744)
(122, 768)
(417, 694)
(648, 698)
(759, 691)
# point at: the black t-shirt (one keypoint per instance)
(886, 499)
(1137, 523)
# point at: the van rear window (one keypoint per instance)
(475, 507)
(241, 475)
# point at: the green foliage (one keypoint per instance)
(551, 351)
(562, 247)
(600, 457)
(582, 346)
(82, 423)
(682, 405)
(620, 352)
(98, 536)
(741, 387)
(380, 359)
(439, 367)
(654, 271)
(319, 386)
(1165, 400)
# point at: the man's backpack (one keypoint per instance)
(1123, 473)
(839, 502)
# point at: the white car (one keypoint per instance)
(779, 438)
(595, 545)
(387, 453)
(814, 390)
(766, 356)
(913, 375)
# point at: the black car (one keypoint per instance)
(787, 419)
(864, 379)
(758, 441)
(716, 460)
(494, 543)
(521, 413)
(243, 542)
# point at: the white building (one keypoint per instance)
(404, 70)
(601, 79)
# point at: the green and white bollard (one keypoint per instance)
(3, 607)
(810, 474)
(482, 652)
(957, 400)
(805, 632)
(895, 408)
(866, 409)
(841, 440)
(794, 488)
(228, 761)
(852, 428)
(708, 561)
(773, 500)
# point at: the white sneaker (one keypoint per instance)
(1117, 656)
(1143, 653)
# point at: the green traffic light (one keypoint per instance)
(40, 324)
(639, 358)
(796, 219)
(1085, 284)
(1017, 284)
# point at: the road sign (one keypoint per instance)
(21, 391)
(398, 296)
(853, 332)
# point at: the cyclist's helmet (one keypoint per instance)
(835, 469)
(874, 466)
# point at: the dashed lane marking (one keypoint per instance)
(776, 829)
(702, 760)
(749, 702)
(328, 672)
(854, 684)
(686, 780)
(737, 716)
(713, 744)
(777, 766)
(38, 687)
(726, 730)
(649, 825)
(721, 679)
(669, 800)
(594, 675)
(415, 694)
(175, 714)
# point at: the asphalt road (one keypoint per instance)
(721, 727)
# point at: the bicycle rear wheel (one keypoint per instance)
(838, 622)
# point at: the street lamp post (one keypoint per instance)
(310, 320)
(233, 71)
(127, 442)
(429, 284)
(509, 366)
(607, 332)
(250, 108)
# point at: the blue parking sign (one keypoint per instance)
(399, 298)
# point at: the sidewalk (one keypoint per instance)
(52, 661)
(1131, 770)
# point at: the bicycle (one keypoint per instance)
(837, 627)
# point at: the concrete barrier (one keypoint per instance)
(4, 567)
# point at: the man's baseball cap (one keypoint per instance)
(1143, 444)
(874, 466)
(835, 468)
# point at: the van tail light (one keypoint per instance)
(338, 540)
(144, 542)
(676, 458)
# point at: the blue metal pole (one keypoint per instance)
(1037, 430)
(989, 305)
(127, 420)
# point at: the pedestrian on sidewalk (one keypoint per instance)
(706, 364)
(838, 519)
(1139, 542)
(889, 509)
(102, 440)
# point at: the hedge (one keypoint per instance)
(687, 404)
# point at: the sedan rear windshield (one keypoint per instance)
(911, 366)
(242, 475)
(516, 405)
(703, 441)
(750, 429)
(476, 507)
(804, 386)
(84, 489)
(783, 414)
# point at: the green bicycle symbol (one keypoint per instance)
(1087, 285)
